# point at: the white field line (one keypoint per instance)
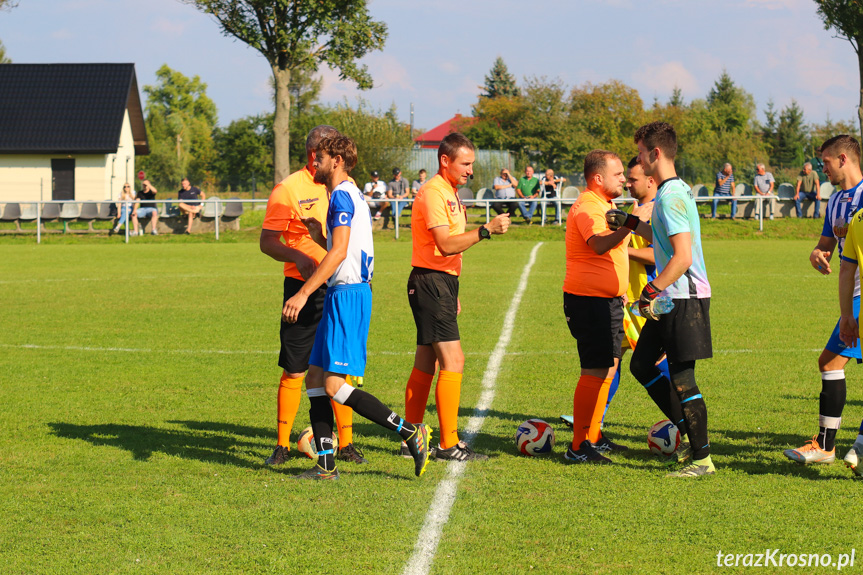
(371, 353)
(444, 497)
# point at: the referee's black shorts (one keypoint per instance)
(298, 338)
(596, 323)
(433, 296)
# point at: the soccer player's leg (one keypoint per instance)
(418, 388)
(321, 416)
(644, 369)
(345, 427)
(296, 342)
(831, 364)
(685, 332)
(342, 336)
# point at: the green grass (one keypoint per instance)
(115, 461)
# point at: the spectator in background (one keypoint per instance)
(504, 189)
(528, 188)
(763, 185)
(397, 189)
(375, 190)
(189, 204)
(124, 207)
(146, 208)
(808, 188)
(724, 187)
(549, 184)
(418, 183)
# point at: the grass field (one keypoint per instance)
(137, 401)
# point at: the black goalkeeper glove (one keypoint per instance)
(645, 302)
(619, 219)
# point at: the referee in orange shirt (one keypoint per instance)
(437, 226)
(297, 197)
(597, 273)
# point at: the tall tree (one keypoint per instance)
(499, 82)
(791, 137)
(294, 36)
(180, 122)
(732, 107)
(4, 59)
(244, 152)
(845, 17)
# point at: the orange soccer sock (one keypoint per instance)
(287, 404)
(417, 395)
(585, 406)
(448, 395)
(602, 399)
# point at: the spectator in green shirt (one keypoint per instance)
(528, 188)
(808, 188)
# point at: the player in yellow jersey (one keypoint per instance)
(285, 238)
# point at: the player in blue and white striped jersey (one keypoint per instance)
(340, 341)
(841, 157)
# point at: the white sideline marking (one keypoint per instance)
(444, 497)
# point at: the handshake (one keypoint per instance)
(619, 219)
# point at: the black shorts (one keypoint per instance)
(298, 338)
(596, 323)
(683, 333)
(433, 296)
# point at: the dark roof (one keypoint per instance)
(68, 108)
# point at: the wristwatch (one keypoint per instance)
(484, 234)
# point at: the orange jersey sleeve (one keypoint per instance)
(437, 204)
(296, 197)
(588, 273)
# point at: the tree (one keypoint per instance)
(295, 36)
(180, 122)
(791, 137)
(244, 151)
(732, 107)
(605, 116)
(499, 82)
(4, 59)
(845, 17)
(8, 4)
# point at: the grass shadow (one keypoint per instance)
(206, 443)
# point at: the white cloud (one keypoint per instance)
(665, 77)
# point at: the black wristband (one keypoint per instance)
(631, 222)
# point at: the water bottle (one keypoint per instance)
(661, 305)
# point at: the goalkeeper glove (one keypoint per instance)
(645, 302)
(619, 219)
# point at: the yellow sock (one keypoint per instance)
(448, 395)
(287, 403)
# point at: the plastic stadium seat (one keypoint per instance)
(50, 212)
(785, 192)
(70, 211)
(700, 191)
(11, 213)
(485, 194)
(827, 190)
(210, 207)
(107, 211)
(233, 209)
(28, 212)
(466, 196)
(742, 190)
(570, 193)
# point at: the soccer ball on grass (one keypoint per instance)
(663, 438)
(306, 443)
(534, 437)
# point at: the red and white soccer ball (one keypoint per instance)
(534, 437)
(663, 438)
(306, 443)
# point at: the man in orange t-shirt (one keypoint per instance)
(437, 226)
(297, 197)
(597, 274)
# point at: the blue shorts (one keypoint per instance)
(146, 212)
(340, 342)
(835, 344)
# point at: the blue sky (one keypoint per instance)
(438, 52)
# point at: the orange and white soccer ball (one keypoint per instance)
(306, 443)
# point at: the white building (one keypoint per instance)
(68, 131)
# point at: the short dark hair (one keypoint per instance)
(658, 135)
(596, 161)
(317, 134)
(340, 146)
(423, 171)
(843, 144)
(452, 143)
(632, 163)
